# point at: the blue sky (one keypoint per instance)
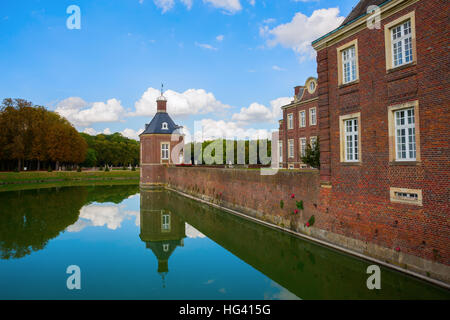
(227, 63)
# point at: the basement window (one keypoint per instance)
(407, 196)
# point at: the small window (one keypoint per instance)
(290, 121)
(166, 247)
(312, 117)
(349, 64)
(313, 141)
(280, 150)
(402, 44)
(302, 147)
(405, 135)
(291, 166)
(291, 148)
(351, 140)
(312, 86)
(164, 151)
(165, 223)
(406, 196)
(165, 126)
(302, 119)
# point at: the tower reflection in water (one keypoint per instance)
(161, 230)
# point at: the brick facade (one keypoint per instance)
(305, 99)
(357, 195)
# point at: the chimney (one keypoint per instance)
(297, 90)
(161, 104)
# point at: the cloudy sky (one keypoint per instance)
(227, 65)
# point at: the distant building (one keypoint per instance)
(299, 126)
(158, 140)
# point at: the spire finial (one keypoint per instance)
(162, 88)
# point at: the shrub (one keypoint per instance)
(299, 204)
(312, 155)
(311, 221)
(107, 169)
(133, 168)
(281, 204)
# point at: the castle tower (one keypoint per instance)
(158, 140)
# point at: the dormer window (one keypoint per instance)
(165, 126)
(312, 86)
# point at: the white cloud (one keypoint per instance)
(190, 102)
(193, 233)
(205, 46)
(220, 37)
(165, 5)
(209, 129)
(302, 30)
(230, 6)
(81, 113)
(110, 216)
(252, 2)
(132, 134)
(277, 68)
(259, 113)
(187, 3)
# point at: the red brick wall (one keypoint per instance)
(249, 191)
(359, 205)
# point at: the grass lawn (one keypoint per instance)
(7, 178)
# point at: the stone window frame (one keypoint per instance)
(165, 126)
(339, 51)
(300, 124)
(342, 145)
(168, 150)
(308, 85)
(289, 148)
(391, 127)
(290, 124)
(168, 222)
(388, 40)
(395, 198)
(310, 116)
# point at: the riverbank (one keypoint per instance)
(31, 180)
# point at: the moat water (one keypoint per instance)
(160, 245)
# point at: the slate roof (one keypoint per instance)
(155, 126)
(361, 9)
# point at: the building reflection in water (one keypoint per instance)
(161, 230)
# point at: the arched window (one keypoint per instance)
(312, 86)
(165, 126)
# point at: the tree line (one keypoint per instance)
(35, 138)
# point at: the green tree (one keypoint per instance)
(312, 155)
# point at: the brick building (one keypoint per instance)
(299, 126)
(161, 145)
(383, 112)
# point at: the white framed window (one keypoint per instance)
(312, 141)
(349, 64)
(405, 134)
(302, 118)
(164, 126)
(164, 151)
(290, 118)
(166, 247)
(165, 222)
(302, 147)
(401, 43)
(290, 148)
(280, 151)
(351, 140)
(312, 117)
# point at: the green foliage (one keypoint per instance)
(133, 168)
(106, 169)
(32, 134)
(299, 204)
(209, 149)
(281, 204)
(312, 155)
(112, 149)
(311, 220)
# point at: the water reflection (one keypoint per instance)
(161, 230)
(30, 218)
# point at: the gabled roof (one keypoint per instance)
(155, 126)
(361, 9)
